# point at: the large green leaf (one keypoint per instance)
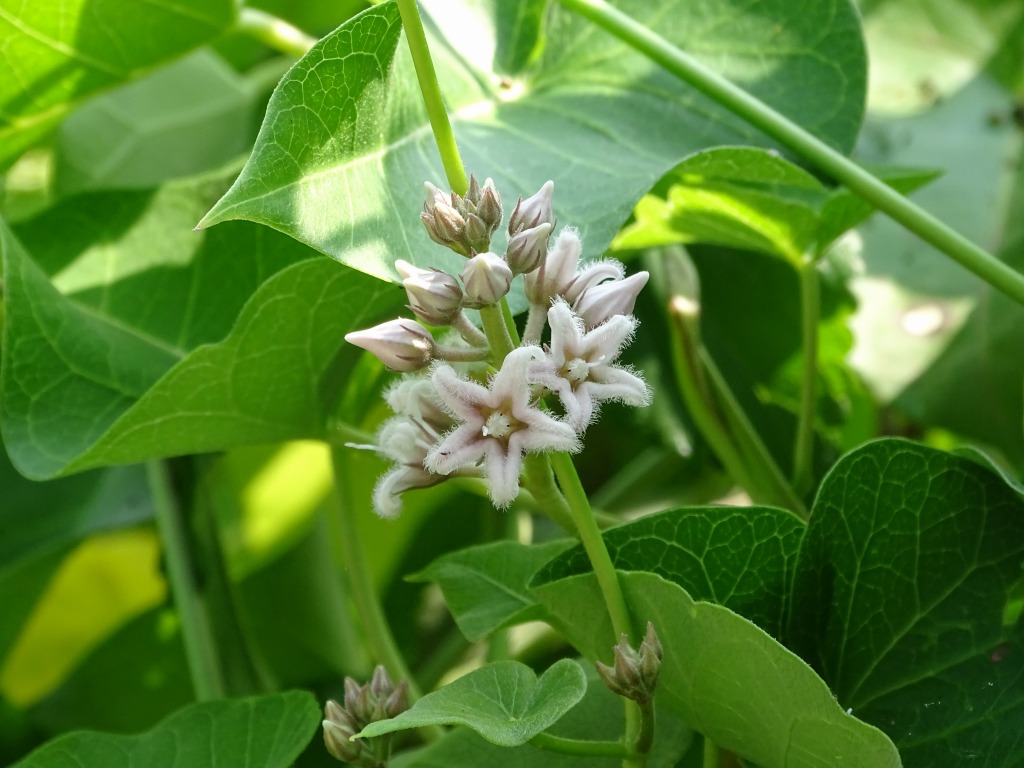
(486, 587)
(596, 718)
(236, 342)
(57, 52)
(725, 677)
(505, 702)
(906, 587)
(742, 558)
(347, 124)
(264, 732)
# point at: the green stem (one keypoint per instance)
(839, 167)
(540, 482)
(694, 390)
(563, 746)
(431, 90)
(382, 643)
(810, 314)
(755, 454)
(711, 757)
(200, 650)
(645, 738)
(275, 32)
(498, 335)
(604, 569)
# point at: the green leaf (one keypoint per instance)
(347, 123)
(55, 54)
(260, 732)
(751, 199)
(741, 558)
(185, 118)
(486, 587)
(598, 715)
(236, 343)
(505, 702)
(725, 677)
(906, 597)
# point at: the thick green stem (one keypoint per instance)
(810, 314)
(275, 32)
(497, 332)
(540, 482)
(551, 743)
(431, 90)
(711, 757)
(645, 738)
(788, 133)
(200, 650)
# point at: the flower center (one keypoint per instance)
(499, 424)
(577, 370)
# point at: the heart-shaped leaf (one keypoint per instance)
(505, 702)
(55, 56)
(908, 599)
(725, 677)
(264, 732)
(742, 558)
(347, 125)
(485, 587)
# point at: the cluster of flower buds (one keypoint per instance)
(635, 673)
(468, 409)
(380, 699)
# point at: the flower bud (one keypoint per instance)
(474, 193)
(434, 296)
(487, 279)
(651, 654)
(336, 739)
(489, 208)
(615, 297)
(533, 210)
(398, 701)
(526, 251)
(635, 673)
(556, 272)
(594, 274)
(402, 345)
(476, 235)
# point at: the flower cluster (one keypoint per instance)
(466, 408)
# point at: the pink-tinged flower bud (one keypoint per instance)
(487, 278)
(615, 297)
(434, 196)
(527, 250)
(476, 235)
(489, 208)
(336, 739)
(533, 210)
(556, 272)
(402, 345)
(434, 296)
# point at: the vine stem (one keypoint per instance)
(551, 743)
(275, 32)
(779, 127)
(200, 649)
(810, 314)
(431, 90)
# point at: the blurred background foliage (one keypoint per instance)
(912, 345)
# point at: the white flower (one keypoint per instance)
(405, 441)
(499, 424)
(580, 369)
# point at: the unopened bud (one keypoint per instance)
(398, 701)
(534, 210)
(476, 235)
(443, 222)
(402, 345)
(526, 251)
(380, 683)
(556, 272)
(487, 279)
(434, 296)
(474, 193)
(635, 673)
(336, 739)
(651, 654)
(615, 297)
(489, 208)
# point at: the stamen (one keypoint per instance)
(577, 370)
(498, 424)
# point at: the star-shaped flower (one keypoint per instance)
(580, 365)
(498, 425)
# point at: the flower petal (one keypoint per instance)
(503, 466)
(461, 447)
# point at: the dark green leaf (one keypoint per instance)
(906, 600)
(347, 124)
(56, 55)
(263, 732)
(505, 702)
(739, 557)
(236, 342)
(725, 677)
(485, 586)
